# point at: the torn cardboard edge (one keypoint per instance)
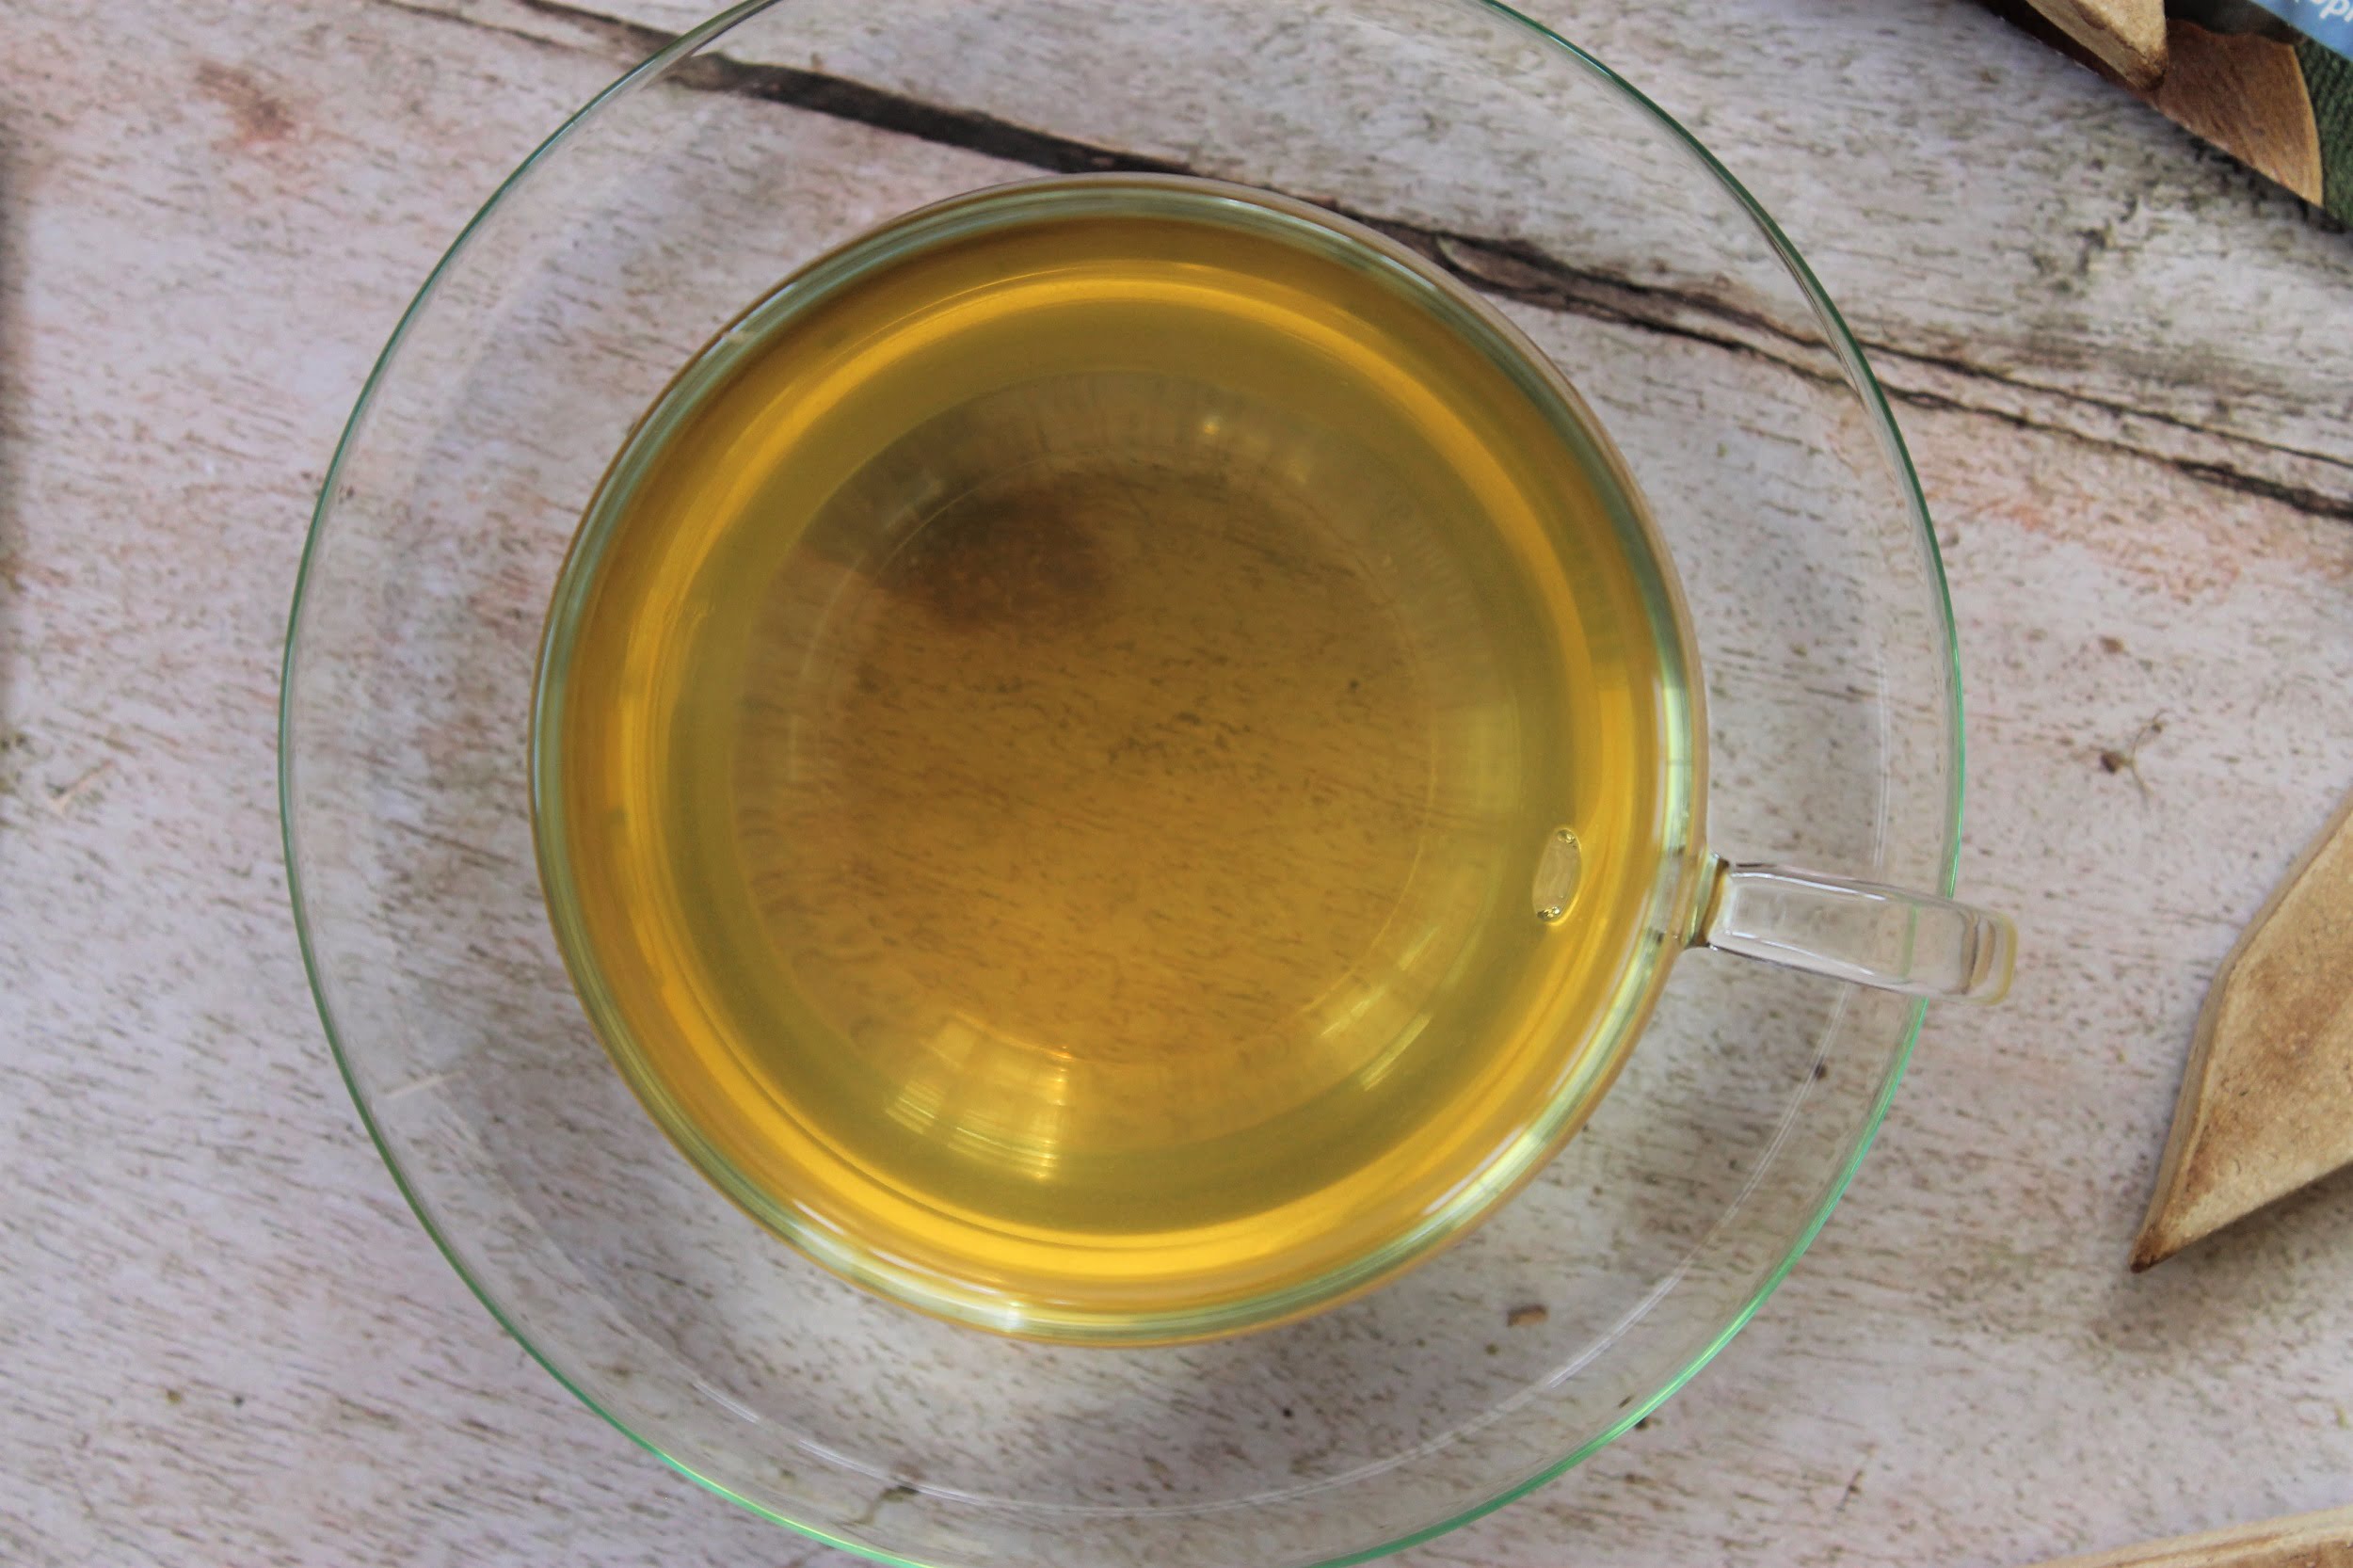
(2266, 1100)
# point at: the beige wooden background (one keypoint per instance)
(2125, 367)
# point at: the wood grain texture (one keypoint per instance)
(2103, 258)
(2123, 377)
(2246, 96)
(2126, 36)
(2267, 1105)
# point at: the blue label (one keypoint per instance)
(2324, 22)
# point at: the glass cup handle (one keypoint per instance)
(1889, 937)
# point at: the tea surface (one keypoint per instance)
(1055, 739)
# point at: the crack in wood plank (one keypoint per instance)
(1506, 269)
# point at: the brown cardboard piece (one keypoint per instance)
(2323, 1539)
(2248, 97)
(2126, 36)
(2282, 108)
(2266, 1103)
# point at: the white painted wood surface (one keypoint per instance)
(2123, 364)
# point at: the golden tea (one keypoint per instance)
(1104, 756)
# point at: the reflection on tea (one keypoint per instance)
(1100, 759)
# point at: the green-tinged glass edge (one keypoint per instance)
(1866, 385)
(685, 43)
(1861, 379)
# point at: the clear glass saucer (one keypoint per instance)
(687, 190)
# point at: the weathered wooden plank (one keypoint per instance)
(226, 1339)
(1894, 192)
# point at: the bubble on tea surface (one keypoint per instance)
(1558, 869)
